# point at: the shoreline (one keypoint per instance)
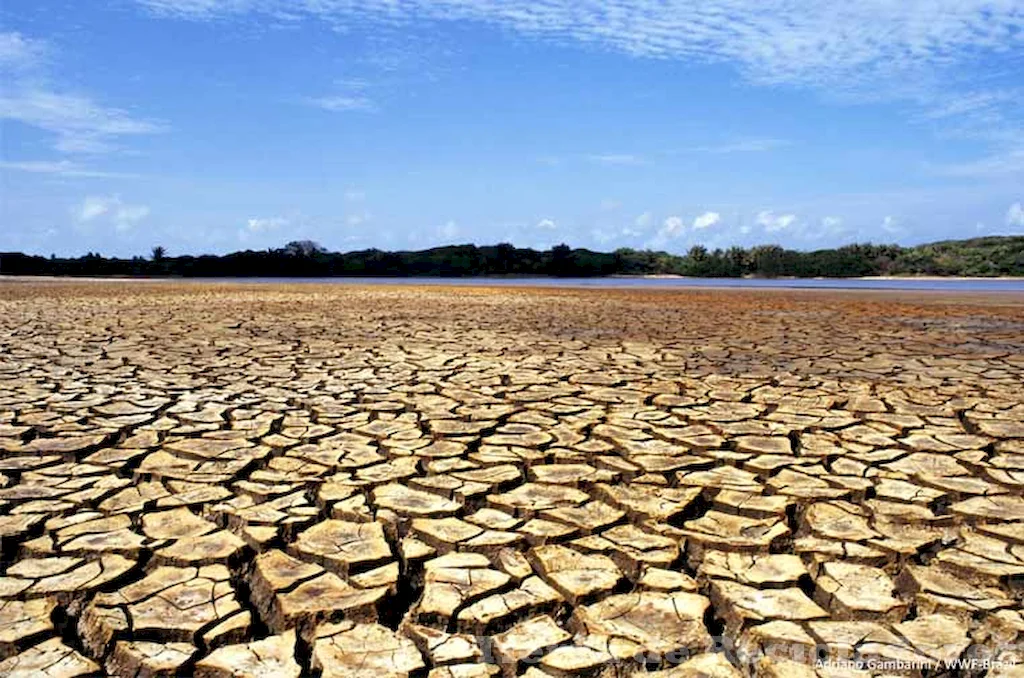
(672, 276)
(510, 279)
(993, 289)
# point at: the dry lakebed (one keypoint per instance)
(281, 480)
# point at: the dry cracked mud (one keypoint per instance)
(271, 480)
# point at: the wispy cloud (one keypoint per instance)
(616, 159)
(18, 52)
(199, 9)
(916, 52)
(773, 223)
(63, 168)
(1009, 160)
(447, 231)
(832, 226)
(350, 94)
(810, 41)
(79, 124)
(264, 224)
(980, 105)
(991, 116)
(342, 104)
(672, 227)
(746, 146)
(128, 215)
(92, 207)
(121, 214)
(358, 218)
(892, 226)
(1015, 215)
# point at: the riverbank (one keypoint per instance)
(915, 284)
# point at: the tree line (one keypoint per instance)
(990, 256)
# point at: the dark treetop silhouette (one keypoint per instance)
(991, 256)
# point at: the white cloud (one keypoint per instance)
(127, 216)
(448, 230)
(832, 226)
(892, 226)
(344, 103)
(616, 159)
(809, 41)
(772, 223)
(350, 94)
(547, 224)
(357, 218)
(18, 52)
(1015, 215)
(609, 205)
(706, 220)
(122, 215)
(264, 224)
(640, 225)
(978, 104)
(747, 146)
(63, 168)
(94, 206)
(916, 52)
(1009, 160)
(79, 124)
(672, 227)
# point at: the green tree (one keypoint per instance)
(303, 248)
(561, 260)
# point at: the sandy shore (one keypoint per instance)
(658, 276)
(666, 276)
(220, 479)
(940, 277)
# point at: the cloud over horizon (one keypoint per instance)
(618, 122)
(868, 50)
(122, 215)
(789, 41)
(79, 124)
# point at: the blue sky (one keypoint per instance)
(218, 125)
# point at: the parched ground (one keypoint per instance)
(258, 480)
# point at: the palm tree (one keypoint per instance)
(159, 253)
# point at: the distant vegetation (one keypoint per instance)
(993, 256)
